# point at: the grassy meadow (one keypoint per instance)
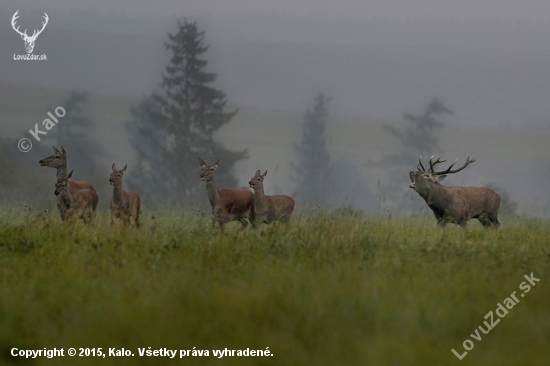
(327, 289)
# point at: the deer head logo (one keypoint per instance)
(29, 40)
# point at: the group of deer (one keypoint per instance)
(239, 205)
(78, 200)
(449, 204)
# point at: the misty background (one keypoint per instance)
(487, 61)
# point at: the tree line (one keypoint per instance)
(177, 122)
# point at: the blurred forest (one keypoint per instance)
(352, 150)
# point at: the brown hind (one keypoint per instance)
(124, 204)
(269, 208)
(59, 161)
(75, 203)
(227, 204)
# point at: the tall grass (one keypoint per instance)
(323, 290)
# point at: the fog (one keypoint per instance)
(487, 60)
(535, 10)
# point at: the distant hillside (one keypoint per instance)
(514, 158)
(484, 87)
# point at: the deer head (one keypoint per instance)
(208, 170)
(61, 184)
(29, 40)
(257, 180)
(116, 175)
(422, 180)
(57, 160)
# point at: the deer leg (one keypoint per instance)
(285, 219)
(243, 222)
(441, 222)
(253, 218)
(484, 220)
(494, 221)
(219, 221)
(84, 216)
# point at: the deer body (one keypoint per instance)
(227, 204)
(455, 204)
(124, 204)
(59, 162)
(73, 203)
(268, 209)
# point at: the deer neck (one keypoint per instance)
(117, 193)
(213, 193)
(62, 171)
(260, 201)
(439, 195)
(66, 199)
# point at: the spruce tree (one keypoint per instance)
(176, 125)
(74, 133)
(312, 170)
(418, 138)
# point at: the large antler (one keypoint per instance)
(13, 21)
(419, 166)
(36, 32)
(449, 171)
(432, 164)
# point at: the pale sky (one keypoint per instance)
(510, 10)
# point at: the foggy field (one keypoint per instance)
(354, 112)
(515, 158)
(324, 290)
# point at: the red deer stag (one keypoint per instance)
(124, 204)
(227, 204)
(59, 161)
(75, 203)
(269, 208)
(455, 204)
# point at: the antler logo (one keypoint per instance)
(29, 40)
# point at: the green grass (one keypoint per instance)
(324, 290)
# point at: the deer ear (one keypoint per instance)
(258, 172)
(70, 175)
(439, 178)
(264, 174)
(55, 150)
(217, 163)
(201, 162)
(113, 167)
(125, 166)
(63, 150)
